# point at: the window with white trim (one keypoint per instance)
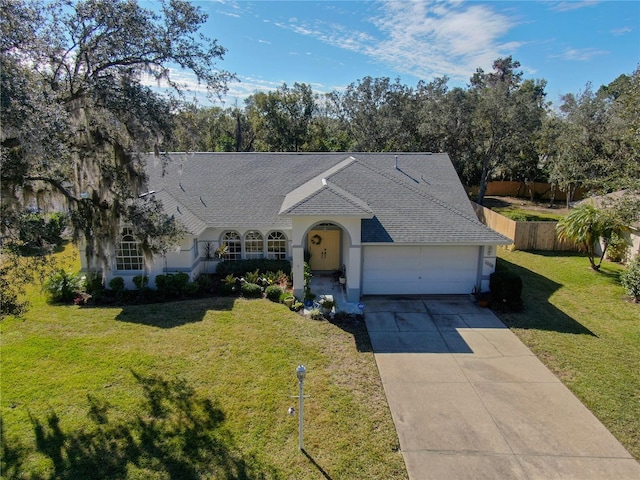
(253, 245)
(129, 254)
(234, 245)
(277, 246)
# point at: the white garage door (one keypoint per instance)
(419, 270)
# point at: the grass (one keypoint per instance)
(525, 215)
(192, 389)
(579, 323)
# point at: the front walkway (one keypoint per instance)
(470, 401)
(324, 285)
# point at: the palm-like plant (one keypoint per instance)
(585, 225)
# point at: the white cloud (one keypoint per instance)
(581, 54)
(433, 40)
(573, 5)
(425, 39)
(621, 31)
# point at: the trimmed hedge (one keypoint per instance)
(240, 267)
(172, 284)
(505, 287)
(273, 293)
(251, 290)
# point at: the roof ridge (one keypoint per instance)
(336, 190)
(349, 197)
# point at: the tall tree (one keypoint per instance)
(506, 115)
(76, 113)
(282, 117)
(379, 114)
(445, 122)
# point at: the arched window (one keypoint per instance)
(234, 245)
(277, 246)
(129, 255)
(253, 245)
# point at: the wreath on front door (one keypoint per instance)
(316, 239)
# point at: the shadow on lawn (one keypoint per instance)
(539, 313)
(176, 434)
(174, 314)
(354, 324)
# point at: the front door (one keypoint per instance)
(324, 246)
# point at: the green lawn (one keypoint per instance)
(526, 215)
(189, 390)
(580, 324)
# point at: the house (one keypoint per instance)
(397, 223)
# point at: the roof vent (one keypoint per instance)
(396, 162)
(324, 182)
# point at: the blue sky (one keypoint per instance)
(330, 44)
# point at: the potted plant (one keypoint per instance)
(327, 305)
(309, 297)
(483, 298)
(289, 300)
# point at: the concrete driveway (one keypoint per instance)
(470, 401)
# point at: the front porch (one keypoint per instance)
(323, 285)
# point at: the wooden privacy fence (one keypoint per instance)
(525, 235)
(537, 190)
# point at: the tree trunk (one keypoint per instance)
(552, 195)
(483, 181)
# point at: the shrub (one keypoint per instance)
(172, 284)
(505, 287)
(630, 279)
(241, 267)
(252, 277)
(278, 277)
(55, 227)
(228, 284)
(94, 283)
(273, 293)
(191, 289)
(205, 282)
(617, 248)
(316, 314)
(117, 284)
(284, 295)
(140, 281)
(297, 306)
(251, 290)
(64, 286)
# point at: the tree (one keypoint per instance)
(379, 115)
(445, 123)
(506, 116)
(586, 225)
(76, 114)
(282, 118)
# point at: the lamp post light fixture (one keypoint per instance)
(301, 372)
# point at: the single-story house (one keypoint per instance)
(396, 223)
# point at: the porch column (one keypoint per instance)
(354, 273)
(297, 268)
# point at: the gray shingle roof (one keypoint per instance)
(421, 201)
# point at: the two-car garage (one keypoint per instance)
(432, 269)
